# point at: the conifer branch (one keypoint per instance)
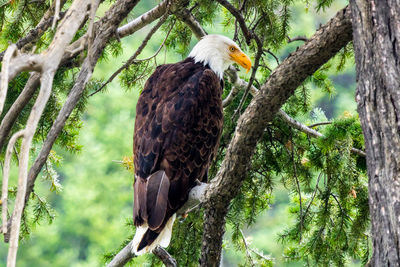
(187, 17)
(239, 18)
(132, 59)
(282, 82)
(303, 128)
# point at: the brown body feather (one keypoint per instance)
(177, 130)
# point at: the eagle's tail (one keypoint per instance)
(146, 240)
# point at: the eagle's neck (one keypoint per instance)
(211, 57)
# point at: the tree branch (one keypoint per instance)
(239, 18)
(4, 74)
(47, 62)
(298, 38)
(40, 28)
(305, 129)
(143, 20)
(11, 116)
(136, 54)
(196, 196)
(105, 27)
(187, 17)
(282, 82)
(165, 257)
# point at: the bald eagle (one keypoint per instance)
(178, 124)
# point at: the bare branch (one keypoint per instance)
(319, 124)
(123, 256)
(143, 20)
(12, 114)
(298, 38)
(6, 175)
(29, 131)
(165, 257)
(4, 74)
(237, 85)
(126, 254)
(48, 61)
(196, 196)
(297, 125)
(24, 62)
(56, 14)
(247, 248)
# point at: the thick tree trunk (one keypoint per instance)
(376, 28)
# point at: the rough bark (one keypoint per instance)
(325, 43)
(376, 26)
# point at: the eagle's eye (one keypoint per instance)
(232, 49)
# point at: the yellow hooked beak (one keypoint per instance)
(242, 59)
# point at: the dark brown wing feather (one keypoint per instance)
(177, 129)
(157, 198)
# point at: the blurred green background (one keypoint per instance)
(96, 200)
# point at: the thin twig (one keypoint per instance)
(273, 55)
(56, 14)
(253, 75)
(298, 38)
(238, 15)
(246, 246)
(299, 191)
(132, 60)
(313, 196)
(319, 124)
(260, 254)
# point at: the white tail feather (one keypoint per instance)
(162, 239)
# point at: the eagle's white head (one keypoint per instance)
(219, 52)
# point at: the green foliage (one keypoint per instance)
(135, 75)
(326, 231)
(326, 182)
